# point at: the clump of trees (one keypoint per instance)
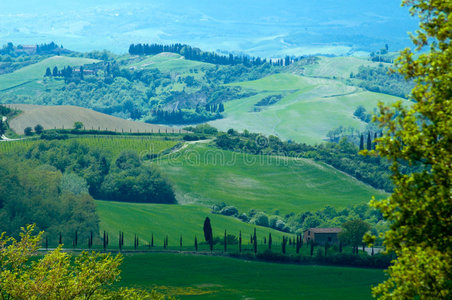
(381, 80)
(127, 179)
(301, 221)
(41, 194)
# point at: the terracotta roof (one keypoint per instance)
(325, 230)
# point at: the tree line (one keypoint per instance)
(197, 54)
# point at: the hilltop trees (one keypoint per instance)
(420, 207)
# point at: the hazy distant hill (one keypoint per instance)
(261, 28)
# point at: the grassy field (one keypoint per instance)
(310, 107)
(169, 220)
(333, 67)
(206, 175)
(168, 62)
(36, 71)
(111, 145)
(65, 116)
(208, 277)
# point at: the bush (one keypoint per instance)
(260, 219)
(28, 131)
(229, 211)
(39, 129)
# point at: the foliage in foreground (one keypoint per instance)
(56, 202)
(56, 275)
(420, 207)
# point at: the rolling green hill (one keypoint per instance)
(226, 278)
(167, 62)
(332, 67)
(168, 220)
(309, 109)
(204, 175)
(35, 72)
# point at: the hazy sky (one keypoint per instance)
(258, 27)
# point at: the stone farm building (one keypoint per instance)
(321, 235)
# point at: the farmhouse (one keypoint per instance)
(321, 235)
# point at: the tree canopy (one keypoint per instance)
(420, 208)
(57, 275)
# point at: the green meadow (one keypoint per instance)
(168, 62)
(173, 221)
(35, 72)
(206, 175)
(210, 277)
(110, 145)
(309, 109)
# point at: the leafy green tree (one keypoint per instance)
(39, 129)
(420, 208)
(48, 72)
(28, 131)
(78, 125)
(57, 275)
(353, 232)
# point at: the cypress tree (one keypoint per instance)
(283, 244)
(361, 142)
(298, 244)
(105, 240)
(48, 72)
(180, 243)
(240, 242)
(369, 142)
(76, 238)
(225, 242)
(270, 241)
(119, 241)
(374, 143)
(372, 251)
(208, 230)
(196, 244)
(152, 240)
(47, 242)
(255, 241)
(60, 239)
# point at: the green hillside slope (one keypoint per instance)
(208, 278)
(36, 71)
(168, 220)
(310, 107)
(207, 175)
(167, 62)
